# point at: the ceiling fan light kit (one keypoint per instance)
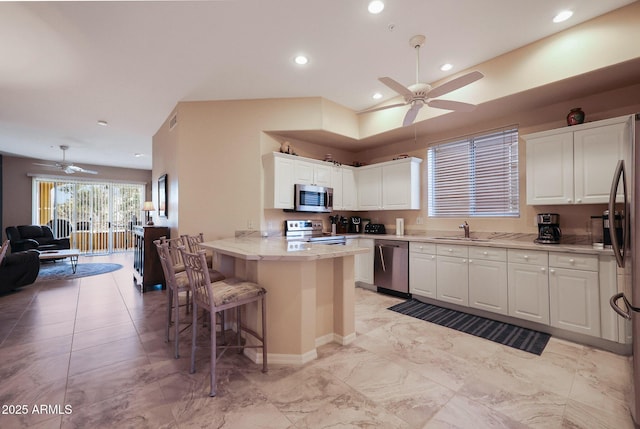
(419, 94)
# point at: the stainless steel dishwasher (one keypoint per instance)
(391, 267)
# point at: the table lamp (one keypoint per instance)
(148, 207)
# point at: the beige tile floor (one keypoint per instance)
(92, 352)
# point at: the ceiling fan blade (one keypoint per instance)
(411, 114)
(454, 84)
(458, 106)
(375, 109)
(45, 165)
(70, 169)
(397, 87)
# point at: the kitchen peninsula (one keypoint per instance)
(310, 291)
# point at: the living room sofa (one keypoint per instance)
(19, 269)
(38, 237)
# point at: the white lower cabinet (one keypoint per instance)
(422, 269)
(452, 274)
(488, 279)
(364, 262)
(574, 293)
(528, 285)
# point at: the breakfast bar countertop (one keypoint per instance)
(278, 249)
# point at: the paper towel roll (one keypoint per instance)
(399, 226)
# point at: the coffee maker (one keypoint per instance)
(548, 228)
(354, 224)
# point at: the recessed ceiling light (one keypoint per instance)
(103, 123)
(301, 59)
(138, 155)
(377, 96)
(446, 67)
(375, 6)
(563, 16)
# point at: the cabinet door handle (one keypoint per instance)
(552, 271)
(569, 200)
(543, 269)
(572, 261)
(450, 250)
(471, 261)
(526, 257)
(433, 257)
(485, 253)
(578, 200)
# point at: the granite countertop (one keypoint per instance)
(570, 244)
(278, 249)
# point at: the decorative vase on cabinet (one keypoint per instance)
(575, 116)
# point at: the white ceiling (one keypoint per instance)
(66, 65)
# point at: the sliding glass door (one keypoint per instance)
(98, 217)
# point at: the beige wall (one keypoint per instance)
(213, 158)
(17, 185)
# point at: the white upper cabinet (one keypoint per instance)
(278, 181)
(550, 169)
(310, 173)
(344, 188)
(401, 184)
(596, 153)
(369, 182)
(575, 165)
(392, 185)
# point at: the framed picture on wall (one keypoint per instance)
(162, 196)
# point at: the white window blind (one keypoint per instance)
(477, 176)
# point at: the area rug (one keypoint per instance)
(503, 333)
(63, 271)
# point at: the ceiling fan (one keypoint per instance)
(419, 94)
(68, 168)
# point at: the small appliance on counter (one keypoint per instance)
(606, 228)
(355, 223)
(548, 228)
(374, 228)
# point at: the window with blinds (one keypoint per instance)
(477, 176)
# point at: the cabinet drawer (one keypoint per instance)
(452, 250)
(533, 257)
(488, 253)
(416, 247)
(573, 261)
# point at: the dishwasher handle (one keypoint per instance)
(384, 268)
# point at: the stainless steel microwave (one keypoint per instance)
(311, 198)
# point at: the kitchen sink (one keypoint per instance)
(461, 239)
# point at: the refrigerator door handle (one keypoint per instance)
(618, 248)
(626, 312)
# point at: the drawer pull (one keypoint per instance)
(572, 261)
(485, 253)
(543, 269)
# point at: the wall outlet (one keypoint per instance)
(419, 220)
(249, 224)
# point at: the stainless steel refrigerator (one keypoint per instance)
(627, 252)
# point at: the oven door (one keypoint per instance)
(311, 198)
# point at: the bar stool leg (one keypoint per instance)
(264, 334)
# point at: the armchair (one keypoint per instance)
(18, 269)
(38, 237)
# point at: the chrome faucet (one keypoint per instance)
(465, 226)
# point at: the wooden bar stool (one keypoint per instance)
(218, 296)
